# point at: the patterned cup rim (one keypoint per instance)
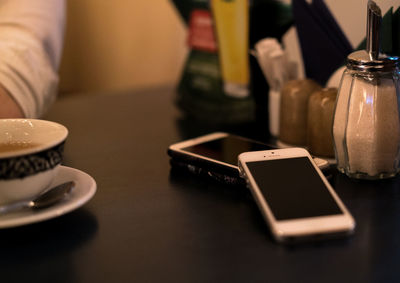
(21, 166)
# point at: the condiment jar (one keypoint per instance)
(321, 105)
(366, 125)
(293, 113)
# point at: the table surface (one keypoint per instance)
(148, 223)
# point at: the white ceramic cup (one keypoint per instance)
(28, 171)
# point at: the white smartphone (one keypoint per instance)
(293, 195)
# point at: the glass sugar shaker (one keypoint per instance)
(366, 125)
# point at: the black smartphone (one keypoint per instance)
(216, 155)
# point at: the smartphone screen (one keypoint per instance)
(292, 188)
(226, 149)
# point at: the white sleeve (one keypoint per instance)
(31, 39)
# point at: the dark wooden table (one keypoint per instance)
(148, 223)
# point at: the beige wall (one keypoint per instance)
(121, 44)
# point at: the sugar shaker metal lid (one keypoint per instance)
(361, 61)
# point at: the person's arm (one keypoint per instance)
(31, 38)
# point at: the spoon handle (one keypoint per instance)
(14, 207)
(44, 200)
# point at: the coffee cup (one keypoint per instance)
(31, 153)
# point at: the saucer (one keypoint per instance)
(85, 188)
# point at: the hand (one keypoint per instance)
(8, 106)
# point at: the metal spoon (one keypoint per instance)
(44, 200)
